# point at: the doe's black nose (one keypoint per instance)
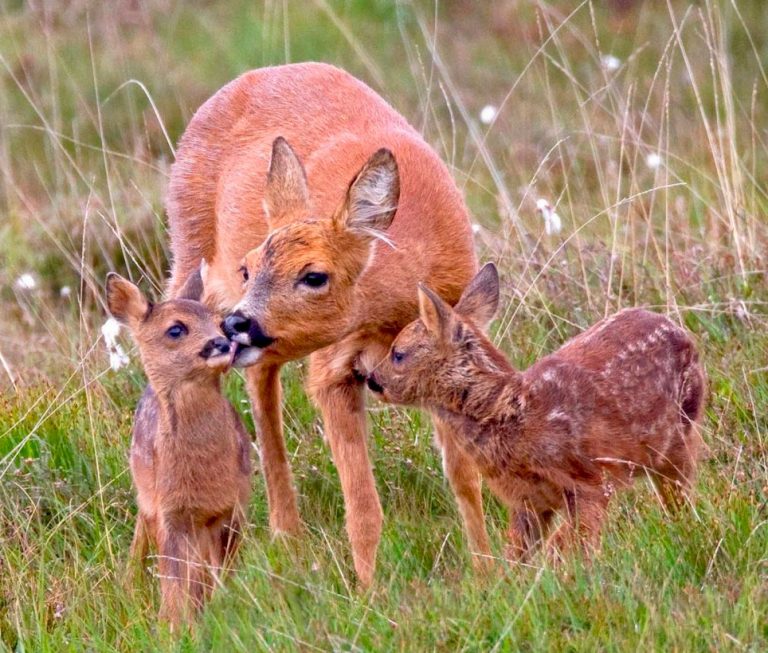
(236, 323)
(373, 384)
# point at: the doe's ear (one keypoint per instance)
(125, 301)
(372, 197)
(194, 286)
(434, 312)
(286, 192)
(480, 298)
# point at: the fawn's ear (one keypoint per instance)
(125, 301)
(434, 312)
(286, 193)
(372, 197)
(194, 286)
(480, 298)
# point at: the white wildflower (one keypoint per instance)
(476, 228)
(26, 281)
(65, 292)
(552, 222)
(118, 358)
(110, 330)
(487, 114)
(653, 160)
(609, 62)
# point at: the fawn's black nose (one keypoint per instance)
(373, 384)
(215, 347)
(235, 324)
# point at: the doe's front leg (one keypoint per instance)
(266, 399)
(342, 406)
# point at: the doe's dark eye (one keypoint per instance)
(244, 272)
(176, 331)
(398, 356)
(315, 279)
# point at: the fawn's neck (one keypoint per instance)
(485, 411)
(193, 411)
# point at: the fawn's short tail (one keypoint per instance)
(692, 391)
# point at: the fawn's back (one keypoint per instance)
(627, 389)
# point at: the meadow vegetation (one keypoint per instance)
(644, 130)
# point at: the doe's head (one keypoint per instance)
(433, 357)
(299, 285)
(178, 339)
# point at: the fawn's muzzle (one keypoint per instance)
(246, 331)
(373, 384)
(216, 347)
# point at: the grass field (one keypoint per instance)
(654, 159)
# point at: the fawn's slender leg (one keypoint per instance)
(526, 529)
(585, 513)
(140, 542)
(144, 535)
(231, 534)
(340, 400)
(266, 398)
(179, 566)
(466, 484)
(213, 555)
(674, 477)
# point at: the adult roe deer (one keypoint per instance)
(295, 248)
(190, 454)
(619, 400)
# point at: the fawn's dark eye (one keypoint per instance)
(244, 272)
(315, 279)
(398, 356)
(177, 331)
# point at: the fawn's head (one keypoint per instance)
(434, 355)
(178, 339)
(299, 285)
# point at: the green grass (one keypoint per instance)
(83, 164)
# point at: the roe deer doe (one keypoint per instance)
(190, 454)
(619, 400)
(295, 249)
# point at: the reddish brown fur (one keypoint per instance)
(190, 454)
(321, 216)
(622, 399)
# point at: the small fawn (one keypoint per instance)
(621, 399)
(190, 454)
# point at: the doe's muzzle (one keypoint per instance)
(236, 327)
(246, 331)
